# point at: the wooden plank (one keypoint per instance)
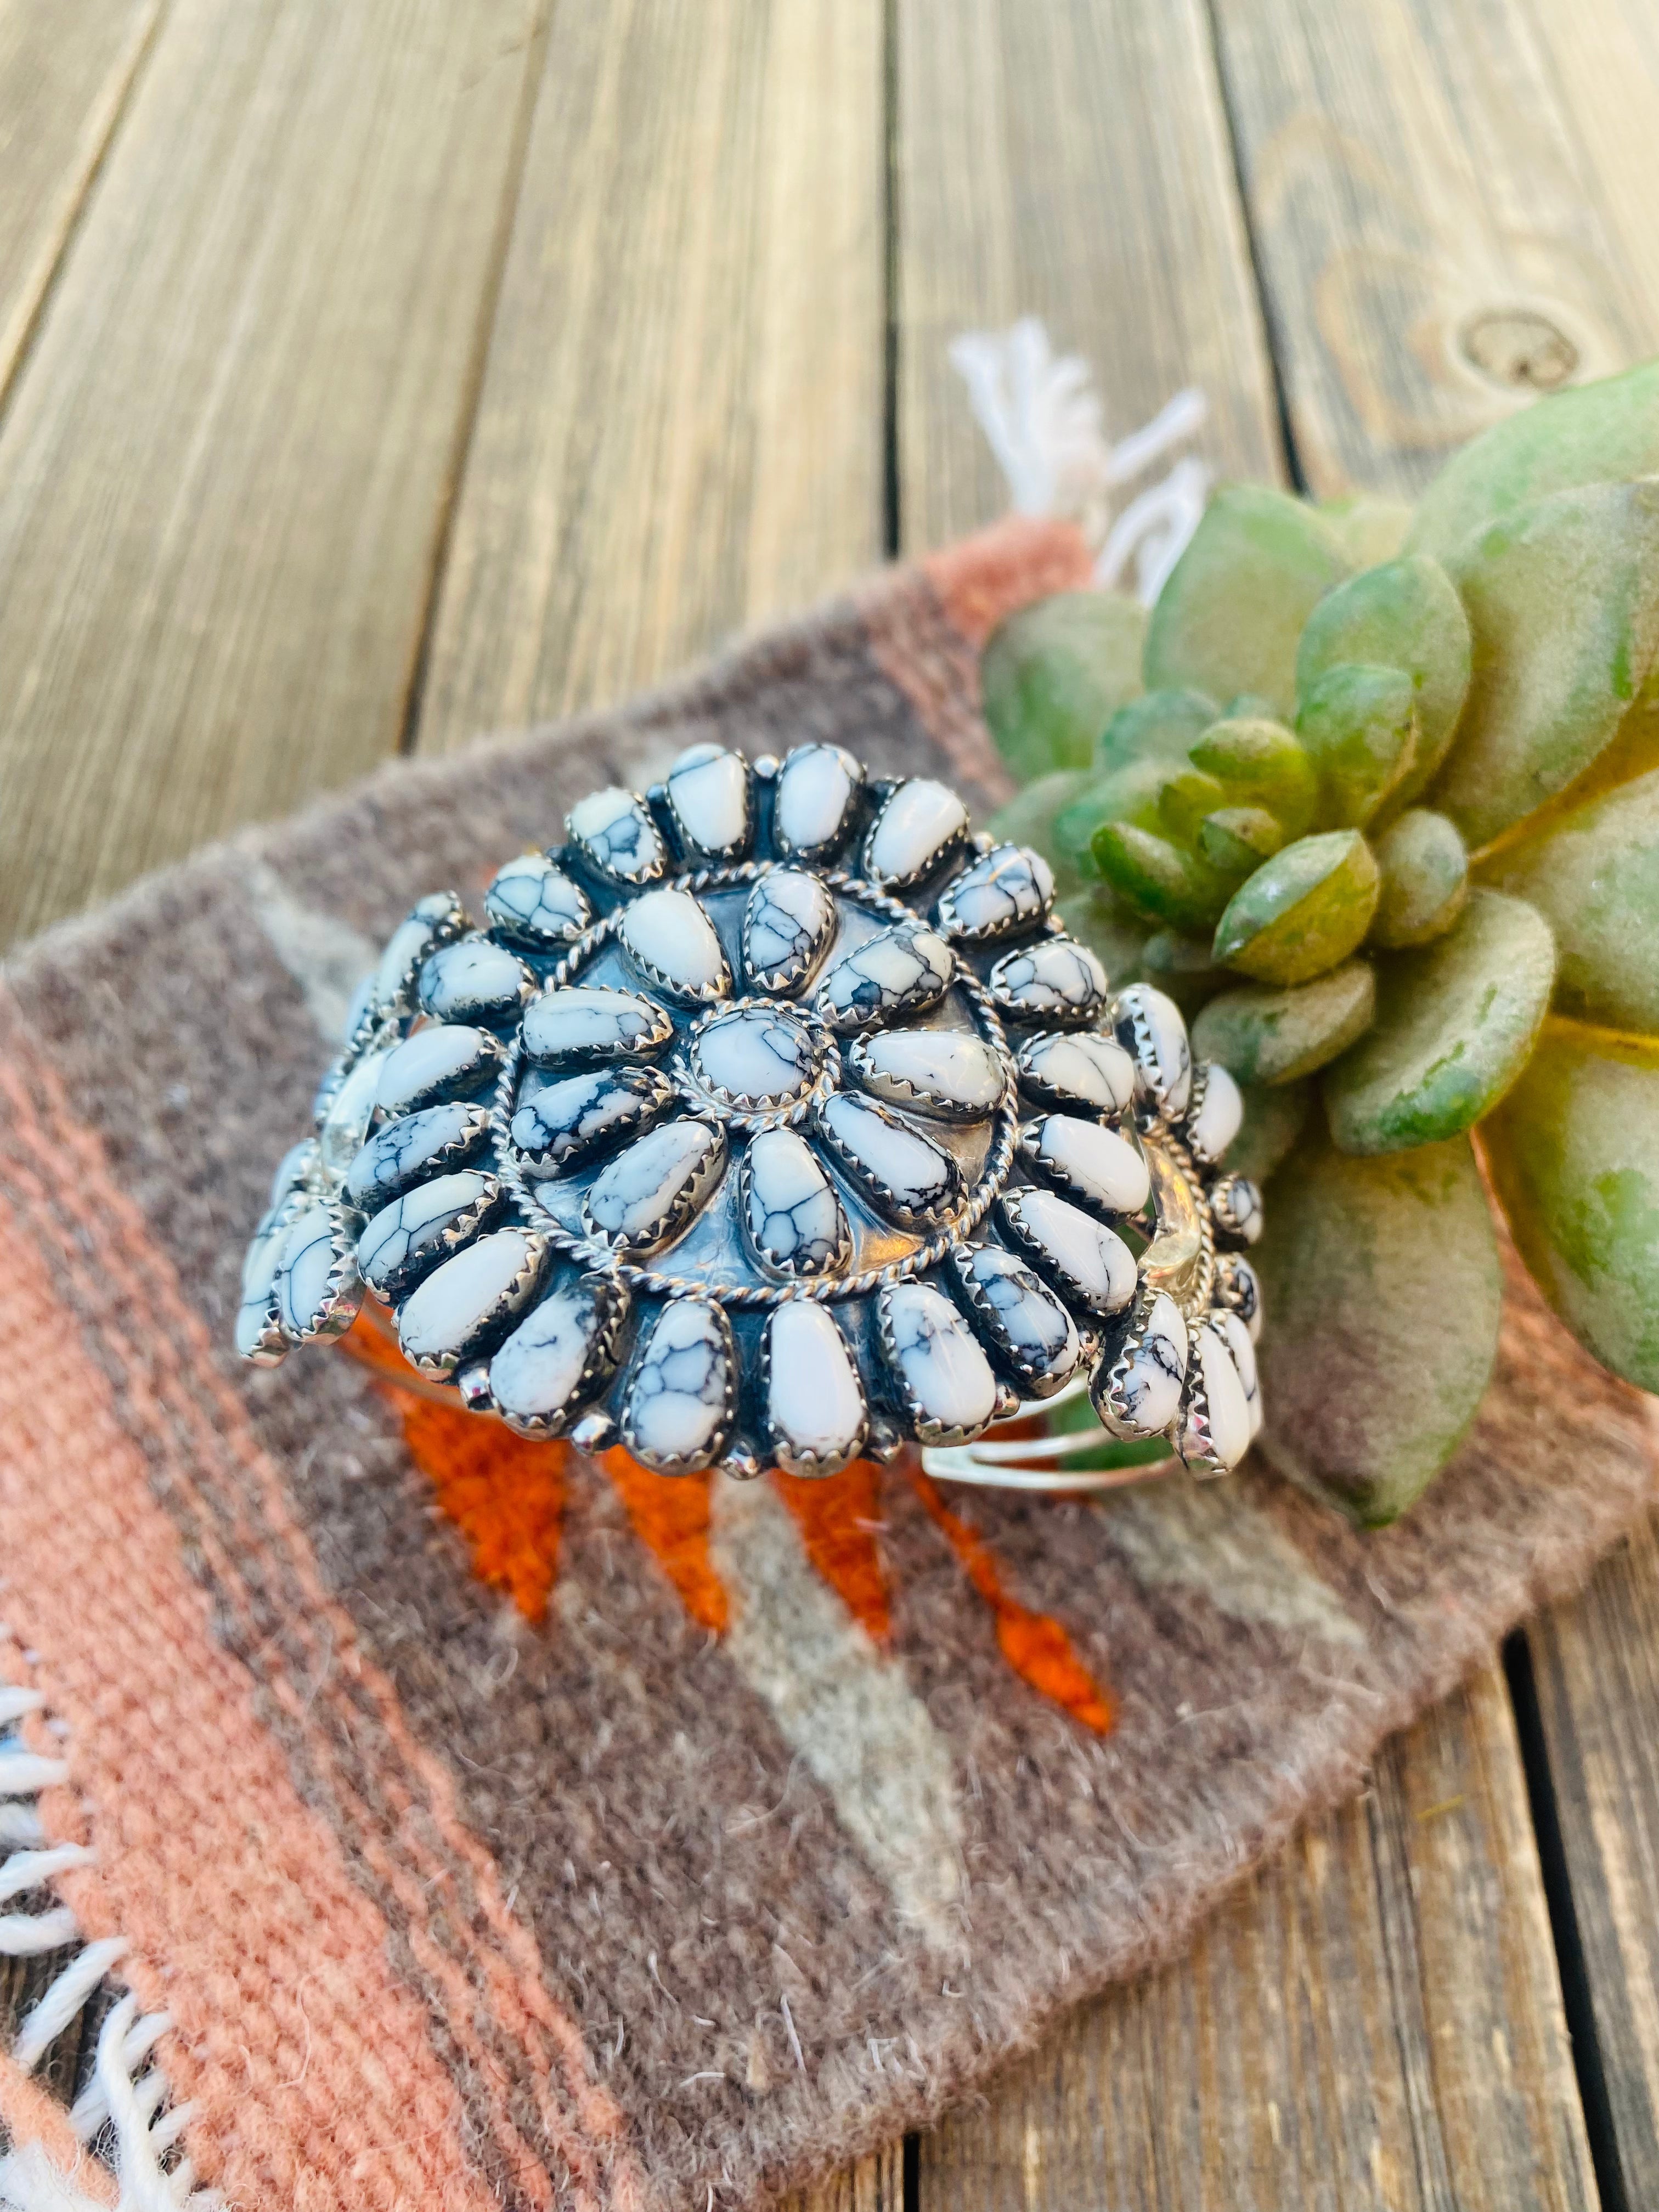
(680, 426)
(1374, 2023)
(1069, 161)
(874, 2184)
(226, 463)
(1451, 210)
(65, 70)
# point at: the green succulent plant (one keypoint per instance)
(1383, 818)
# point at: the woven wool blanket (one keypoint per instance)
(469, 1823)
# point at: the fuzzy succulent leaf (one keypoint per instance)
(1190, 795)
(1574, 1153)
(1263, 764)
(1404, 615)
(1054, 673)
(1595, 878)
(1369, 528)
(1274, 1120)
(1237, 838)
(1230, 615)
(1602, 433)
(1157, 725)
(1302, 912)
(1158, 877)
(1425, 879)
(1268, 1035)
(1370, 1383)
(1029, 818)
(1456, 1024)
(1563, 600)
(1358, 726)
(1183, 969)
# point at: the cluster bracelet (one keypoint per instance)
(770, 1118)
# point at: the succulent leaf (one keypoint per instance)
(1358, 726)
(1237, 838)
(1274, 1120)
(1097, 917)
(1425, 879)
(1368, 527)
(1157, 725)
(1181, 968)
(1371, 1383)
(1261, 1035)
(1185, 800)
(1574, 1153)
(1456, 1024)
(1404, 615)
(1054, 673)
(1129, 793)
(1563, 600)
(1156, 876)
(1595, 878)
(1263, 764)
(1029, 817)
(1303, 911)
(1228, 618)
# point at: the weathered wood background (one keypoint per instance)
(371, 374)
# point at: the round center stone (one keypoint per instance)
(758, 1057)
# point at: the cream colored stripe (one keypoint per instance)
(326, 959)
(1204, 1536)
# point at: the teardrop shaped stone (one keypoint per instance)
(678, 1410)
(409, 1237)
(920, 825)
(911, 1180)
(466, 1305)
(944, 1377)
(787, 928)
(572, 1119)
(560, 1355)
(317, 1287)
(1238, 1287)
(756, 1056)
(1215, 1116)
(475, 981)
(436, 919)
(534, 904)
(1137, 1390)
(816, 1419)
(1007, 889)
(1215, 1433)
(951, 1072)
(1056, 980)
(297, 1170)
(901, 971)
(447, 1061)
(1101, 1169)
(817, 792)
(1020, 1320)
(407, 1151)
(1079, 1070)
(1151, 1029)
(790, 1211)
(345, 1120)
(615, 831)
(1086, 1262)
(258, 1331)
(650, 1192)
(1236, 1202)
(667, 934)
(588, 1022)
(1236, 1333)
(708, 794)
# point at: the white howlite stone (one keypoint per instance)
(1139, 1393)
(431, 922)
(474, 981)
(948, 1071)
(462, 1304)
(345, 1123)
(1090, 1263)
(407, 1151)
(564, 1121)
(1022, 1320)
(709, 792)
(1057, 980)
(920, 824)
(423, 1226)
(1241, 1346)
(1096, 1164)
(1220, 1116)
(678, 1406)
(536, 904)
(444, 1061)
(1224, 1402)
(901, 971)
(906, 1175)
(670, 936)
(791, 1214)
(316, 1285)
(1150, 1027)
(615, 829)
(587, 1021)
(1079, 1069)
(1238, 1286)
(1236, 1204)
(298, 1165)
(815, 1410)
(258, 1331)
(787, 928)
(817, 788)
(759, 1056)
(652, 1189)
(536, 1377)
(936, 1362)
(1008, 889)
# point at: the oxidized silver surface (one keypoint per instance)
(596, 1150)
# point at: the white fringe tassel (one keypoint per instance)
(1045, 423)
(133, 2105)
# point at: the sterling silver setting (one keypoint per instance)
(772, 1119)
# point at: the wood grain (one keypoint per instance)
(874, 2184)
(680, 429)
(1069, 161)
(1374, 2022)
(1443, 225)
(225, 464)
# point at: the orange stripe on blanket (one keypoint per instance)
(670, 1516)
(839, 1519)
(1035, 1644)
